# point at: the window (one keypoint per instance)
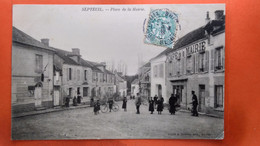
(219, 97)
(219, 58)
(161, 71)
(78, 75)
(155, 68)
(85, 74)
(85, 91)
(78, 90)
(189, 65)
(70, 74)
(39, 64)
(70, 92)
(203, 61)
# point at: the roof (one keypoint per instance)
(64, 55)
(108, 72)
(192, 36)
(23, 38)
(93, 66)
(165, 52)
(148, 64)
(199, 33)
(135, 81)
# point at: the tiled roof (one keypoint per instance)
(64, 55)
(21, 37)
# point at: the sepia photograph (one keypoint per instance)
(118, 71)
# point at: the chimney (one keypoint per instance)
(45, 42)
(207, 19)
(75, 51)
(219, 14)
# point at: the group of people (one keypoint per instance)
(75, 100)
(154, 103)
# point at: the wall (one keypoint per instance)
(24, 75)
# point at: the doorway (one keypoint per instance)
(201, 107)
(38, 94)
(159, 90)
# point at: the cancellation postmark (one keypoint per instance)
(162, 27)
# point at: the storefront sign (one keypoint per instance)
(195, 48)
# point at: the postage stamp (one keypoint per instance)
(162, 28)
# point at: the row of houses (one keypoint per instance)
(43, 76)
(195, 63)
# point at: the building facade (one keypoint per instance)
(197, 63)
(121, 85)
(32, 73)
(158, 75)
(144, 77)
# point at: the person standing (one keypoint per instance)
(155, 101)
(151, 105)
(160, 105)
(172, 103)
(75, 101)
(124, 103)
(96, 107)
(138, 102)
(110, 103)
(194, 104)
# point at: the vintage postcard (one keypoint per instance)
(118, 71)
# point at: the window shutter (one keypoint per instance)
(184, 65)
(67, 70)
(193, 63)
(207, 61)
(223, 57)
(212, 61)
(197, 62)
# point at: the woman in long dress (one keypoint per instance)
(151, 105)
(160, 105)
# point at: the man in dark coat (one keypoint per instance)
(194, 104)
(124, 103)
(75, 101)
(110, 104)
(151, 105)
(160, 105)
(172, 103)
(138, 102)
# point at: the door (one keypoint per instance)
(159, 90)
(38, 96)
(56, 97)
(201, 98)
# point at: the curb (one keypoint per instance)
(48, 111)
(204, 114)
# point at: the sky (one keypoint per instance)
(104, 35)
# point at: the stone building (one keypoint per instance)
(144, 76)
(158, 75)
(121, 84)
(32, 73)
(197, 63)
